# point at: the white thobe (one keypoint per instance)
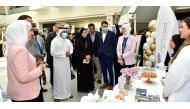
(61, 64)
(177, 83)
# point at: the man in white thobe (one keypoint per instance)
(61, 50)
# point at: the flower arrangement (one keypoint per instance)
(129, 71)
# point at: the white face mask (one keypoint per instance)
(64, 35)
(104, 29)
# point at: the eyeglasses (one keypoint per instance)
(60, 27)
(64, 31)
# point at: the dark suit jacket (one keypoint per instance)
(1, 50)
(94, 45)
(108, 47)
(50, 37)
(141, 51)
(118, 33)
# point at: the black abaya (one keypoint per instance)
(85, 81)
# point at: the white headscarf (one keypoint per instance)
(17, 33)
(128, 28)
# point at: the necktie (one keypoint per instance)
(40, 48)
(124, 44)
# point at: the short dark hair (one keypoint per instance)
(104, 22)
(33, 25)
(23, 17)
(91, 24)
(132, 31)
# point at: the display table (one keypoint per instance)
(153, 88)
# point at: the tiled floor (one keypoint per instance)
(48, 96)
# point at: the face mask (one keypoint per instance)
(104, 29)
(35, 33)
(64, 35)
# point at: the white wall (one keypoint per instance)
(85, 24)
(64, 13)
(2, 19)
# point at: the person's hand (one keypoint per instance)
(44, 82)
(165, 97)
(41, 66)
(88, 57)
(120, 61)
(40, 57)
(44, 54)
(119, 57)
(68, 54)
(116, 19)
(38, 62)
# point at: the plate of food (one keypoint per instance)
(121, 95)
(149, 73)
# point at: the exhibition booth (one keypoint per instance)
(136, 84)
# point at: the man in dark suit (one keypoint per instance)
(106, 51)
(1, 47)
(117, 66)
(93, 35)
(50, 37)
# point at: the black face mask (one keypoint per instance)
(35, 33)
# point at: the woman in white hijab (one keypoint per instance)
(23, 73)
(126, 47)
(61, 50)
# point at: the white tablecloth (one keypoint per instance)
(154, 88)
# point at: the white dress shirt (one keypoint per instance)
(92, 35)
(103, 36)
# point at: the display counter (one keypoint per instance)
(153, 90)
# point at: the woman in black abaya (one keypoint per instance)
(85, 81)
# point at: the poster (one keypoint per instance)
(167, 26)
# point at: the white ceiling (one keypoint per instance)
(82, 20)
(144, 14)
(147, 13)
